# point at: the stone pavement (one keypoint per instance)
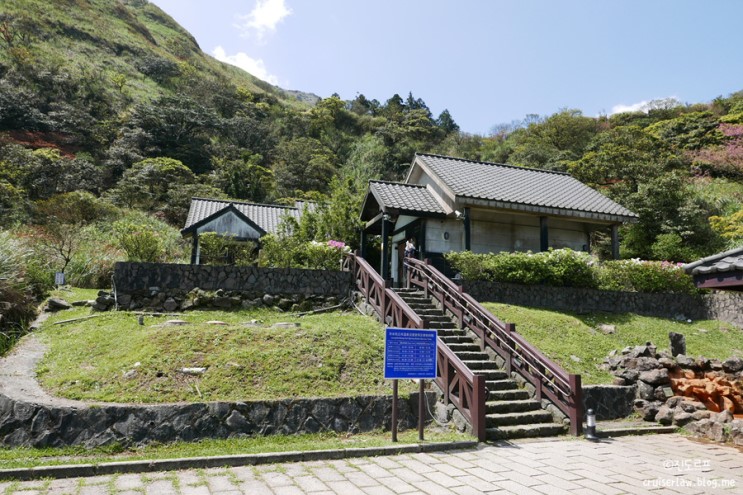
(661, 464)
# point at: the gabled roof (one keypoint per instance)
(729, 261)
(719, 271)
(266, 217)
(511, 187)
(404, 198)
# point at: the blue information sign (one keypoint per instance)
(409, 353)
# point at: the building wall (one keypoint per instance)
(231, 224)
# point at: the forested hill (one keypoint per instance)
(115, 99)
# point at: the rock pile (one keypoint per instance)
(702, 395)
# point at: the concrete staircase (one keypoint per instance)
(511, 412)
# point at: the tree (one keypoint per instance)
(61, 222)
(553, 142)
(244, 178)
(146, 184)
(303, 164)
(446, 122)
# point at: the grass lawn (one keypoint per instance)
(562, 335)
(27, 457)
(329, 355)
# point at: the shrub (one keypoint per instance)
(139, 242)
(290, 252)
(220, 249)
(645, 276)
(567, 268)
(561, 267)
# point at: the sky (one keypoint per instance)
(489, 62)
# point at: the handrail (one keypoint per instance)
(460, 386)
(549, 379)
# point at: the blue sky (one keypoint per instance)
(487, 61)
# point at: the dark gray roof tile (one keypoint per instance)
(729, 261)
(510, 184)
(405, 197)
(267, 217)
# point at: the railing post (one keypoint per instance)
(510, 327)
(479, 426)
(576, 411)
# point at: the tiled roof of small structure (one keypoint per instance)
(729, 261)
(409, 197)
(518, 185)
(267, 217)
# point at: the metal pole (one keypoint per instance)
(421, 408)
(394, 410)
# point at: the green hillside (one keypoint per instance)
(112, 118)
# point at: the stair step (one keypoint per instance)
(517, 394)
(518, 418)
(493, 385)
(458, 347)
(477, 355)
(443, 325)
(492, 374)
(480, 364)
(509, 406)
(525, 431)
(453, 332)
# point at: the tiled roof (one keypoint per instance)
(729, 261)
(267, 217)
(510, 184)
(405, 196)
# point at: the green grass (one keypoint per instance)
(28, 457)
(561, 336)
(329, 355)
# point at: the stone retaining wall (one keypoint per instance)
(609, 401)
(172, 287)
(725, 306)
(143, 277)
(32, 425)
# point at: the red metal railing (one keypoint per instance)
(549, 379)
(460, 385)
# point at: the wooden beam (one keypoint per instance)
(615, 241)
(544, 238)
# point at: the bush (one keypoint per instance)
(561, 267)
(216, 249)
(16, 292)
(289, 252)
(567, 268)
(645, 276)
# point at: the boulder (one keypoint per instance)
(655, 377)
(678, 343)
(57, 304)
(732, 365)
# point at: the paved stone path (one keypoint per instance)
(661, 464)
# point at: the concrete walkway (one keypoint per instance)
(661, 464)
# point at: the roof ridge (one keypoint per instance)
(235, 201)
(396, 183)
(713, 257)
(495, 164)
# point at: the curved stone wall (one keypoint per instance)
(33, 425)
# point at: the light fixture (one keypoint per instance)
(591, 426)
(458, 214)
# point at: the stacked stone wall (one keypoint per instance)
(172, 287)
(724, 306)
(32, 425)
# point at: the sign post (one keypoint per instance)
(409, 354)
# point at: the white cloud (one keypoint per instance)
(647, 105)
(247, 63)
(263, 18)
